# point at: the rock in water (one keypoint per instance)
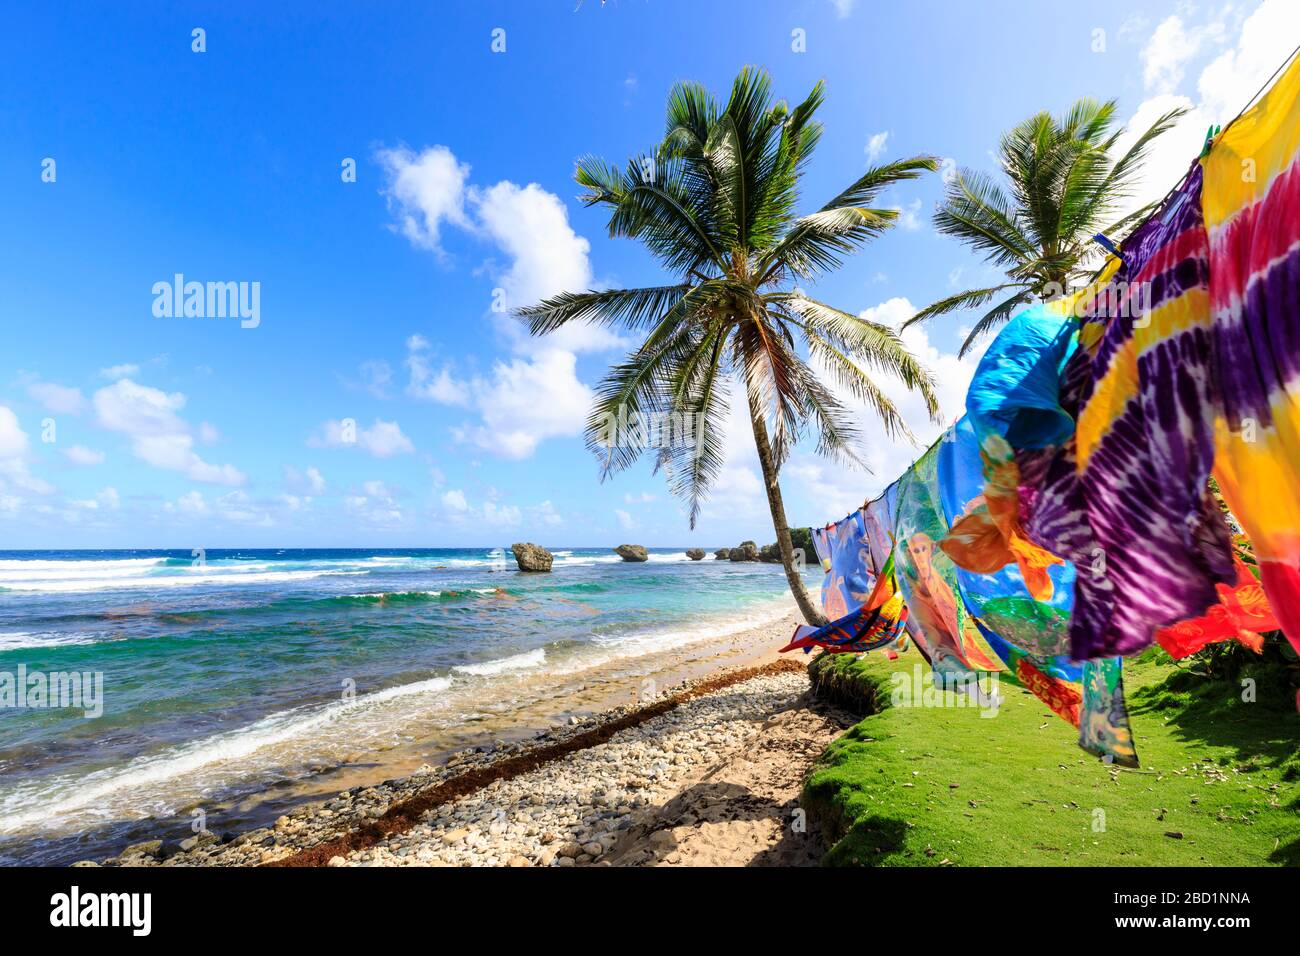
(722, 554)
(532, 557)
(770, 554)
(632, 552)
(695, 554)
(745, 551)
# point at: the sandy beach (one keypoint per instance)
(705, 772)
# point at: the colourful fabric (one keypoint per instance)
(1014, 403)
(878, 624)
(1029, 634)
(1016, 388)
(1126, 498)
(844, 554)
(1242, 614)
(1252, 212)
(939, 622)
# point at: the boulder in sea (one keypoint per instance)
(745, 551)
(532, 557)
(769, 554)
(632, 552)
(722, 554)
(695, 554)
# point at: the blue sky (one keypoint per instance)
(121, 428)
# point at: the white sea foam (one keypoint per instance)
(515, 662)
(25, 640)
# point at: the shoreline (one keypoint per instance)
(709, 719)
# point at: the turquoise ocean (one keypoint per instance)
(231, 678)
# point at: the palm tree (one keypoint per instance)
(1065, 186)
(715, 204)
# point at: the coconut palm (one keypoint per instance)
(714, 202)
(1064, 186)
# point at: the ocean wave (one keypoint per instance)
(413, 597)
(28, 640)
(515, 662)
(139, 788)
(201, 576)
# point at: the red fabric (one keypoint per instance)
(1243, 612)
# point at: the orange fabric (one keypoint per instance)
(989, 536)
(1242, 614)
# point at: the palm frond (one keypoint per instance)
(970, 299)
(630, 308)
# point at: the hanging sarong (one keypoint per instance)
(1252, 211)
(878, 624)
(927, 578)
(1028, 633)
(849, 578)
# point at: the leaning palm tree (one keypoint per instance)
(1065, 185)
(715, 204)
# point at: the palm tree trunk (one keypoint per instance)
(767, 462)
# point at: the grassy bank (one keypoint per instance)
(927, 786)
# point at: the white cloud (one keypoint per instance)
(625, 520)
(14, 449)
(114, 372)
(876, 145)
(843, 7)
(312, 482)
(424, 383)
(537, 394)
(159, 436)
(642, 498)
(192, 503)
(501, 516)
(423, 190)
(13, 440)
(382, 439)
(377, 489)
(208, 433)
(60, 399)
(107, 500)
(81, 455)
(909, 217)
(455, 500)
(1267, 36)
(545, 513)
(1171, 47)
(375, 510)
(1223, 88)
(526, 401)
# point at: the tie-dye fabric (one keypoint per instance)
(1252, 212)
(849, 579)
(1126, 500)
(1028, 633)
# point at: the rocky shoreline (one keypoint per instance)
(600, 790)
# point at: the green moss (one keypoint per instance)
(939, 785)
